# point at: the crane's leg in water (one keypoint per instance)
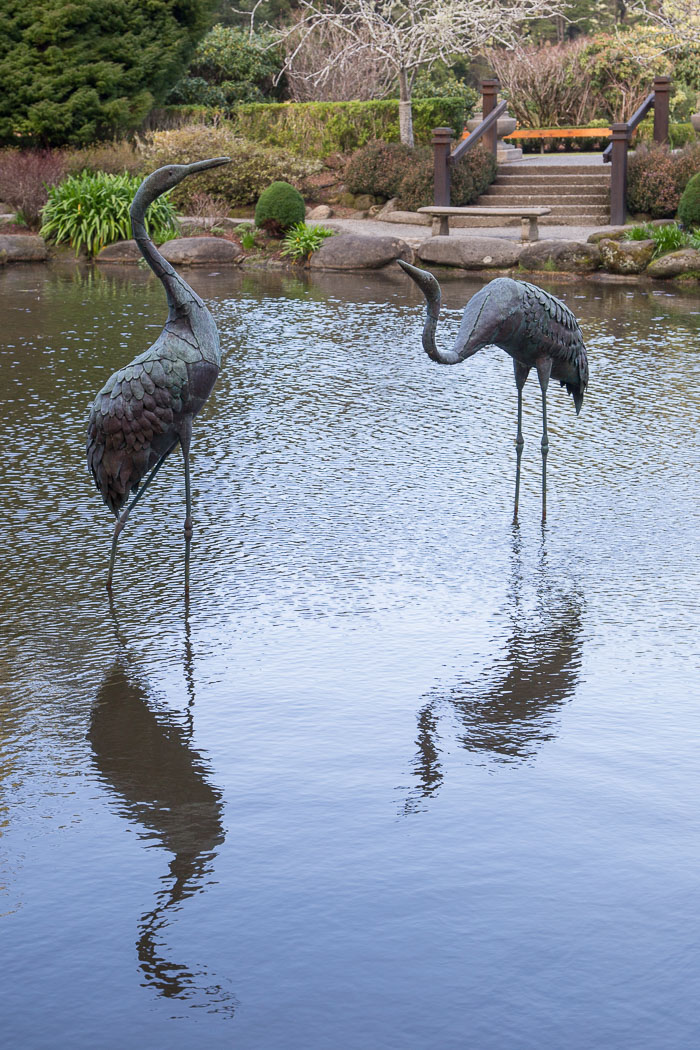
(185, 439)
(521, 374)
(544, 370)
(121, 521)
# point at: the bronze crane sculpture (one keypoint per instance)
(146, 409)
(535, 328)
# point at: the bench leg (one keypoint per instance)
(441, 226)
(529, 230)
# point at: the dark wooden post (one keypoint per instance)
(662, 92)
(618, 175)
(489, 101)
(442, 147)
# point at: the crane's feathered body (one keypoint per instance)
(146, 409)
(137, 417)
(535, 328)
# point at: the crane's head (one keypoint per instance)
(165, 178)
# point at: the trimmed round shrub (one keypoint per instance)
(252, 167)
(279, 208)
(378, 168)
(689, 207)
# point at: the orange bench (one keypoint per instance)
(556, 133)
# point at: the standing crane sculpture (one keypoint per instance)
(146, 409)
(535, 328)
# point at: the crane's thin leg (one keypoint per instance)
(521, 374)
(185, 438)
(121, 521)
(544, 369)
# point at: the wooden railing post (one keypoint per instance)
(618, 175)
(442, 147)
(489, 100)
(662, 92)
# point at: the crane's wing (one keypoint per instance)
(131, 424)
(556, 327)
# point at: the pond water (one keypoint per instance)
(402, 776)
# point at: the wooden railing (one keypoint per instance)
(616, 152)
(445, 157)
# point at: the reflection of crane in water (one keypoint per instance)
(512, 709)
(145, 759)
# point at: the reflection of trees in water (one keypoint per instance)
(507, 712)
(145, 759)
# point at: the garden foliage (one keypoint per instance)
(89, 211)
(74, 72)
(25, 178)
(279, 208)
(229, 66)
(689, 206)
(392, 170)
(302, 240)
(252, 167)
(656, 178)
(317, 129)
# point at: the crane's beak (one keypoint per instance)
(427, 284)
(204, 165)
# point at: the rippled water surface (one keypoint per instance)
(403, 776)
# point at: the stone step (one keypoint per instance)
(496, 196)
(556, 180)
(554, 170)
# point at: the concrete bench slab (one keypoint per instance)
(527, 213)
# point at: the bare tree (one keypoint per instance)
(681, 18)
(409, 35)
(546, 86)
(362, 76)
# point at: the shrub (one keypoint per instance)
(230, 65)
(302, 240)
(72, 72)
(689, 206)
(252, 167)
(468, 178)
(317, 129)
(114, 158)
(652, 186)
(279, 207)
(378, 168)
(667, 238)
(25, 179)
(90, 211)
(687, 164)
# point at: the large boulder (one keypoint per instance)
(567, 256)
(201, 251)
(626, 256)
(405, 218)
(470, 253)
(607, 233)
(321, 211)
(675, 264)
(120, 252)
(21, 247)
(350, 251)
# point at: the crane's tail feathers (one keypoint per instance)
(427, 284)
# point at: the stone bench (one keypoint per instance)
(527, 215)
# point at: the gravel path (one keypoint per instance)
(415, 235)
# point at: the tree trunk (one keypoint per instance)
(405, 111)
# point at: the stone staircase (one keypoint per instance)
(579, 195)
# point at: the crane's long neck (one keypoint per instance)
(431, 290)
(177, 291)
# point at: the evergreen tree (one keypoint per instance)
(79, 70)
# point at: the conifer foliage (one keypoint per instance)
(84, 69)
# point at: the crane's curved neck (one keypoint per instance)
(443, 357)
(177, 291)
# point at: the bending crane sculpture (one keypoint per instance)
(537, 330)
(146, 409)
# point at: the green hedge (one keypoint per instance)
(316, 129)
(679, 134)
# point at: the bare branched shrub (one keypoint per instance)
(25, 179)
(314, 76)
(545, 85)
(115, 158)
(205, 206)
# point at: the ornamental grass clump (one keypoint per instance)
(91, 210)
(302, 240)
(279, 208)
(667, 238)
